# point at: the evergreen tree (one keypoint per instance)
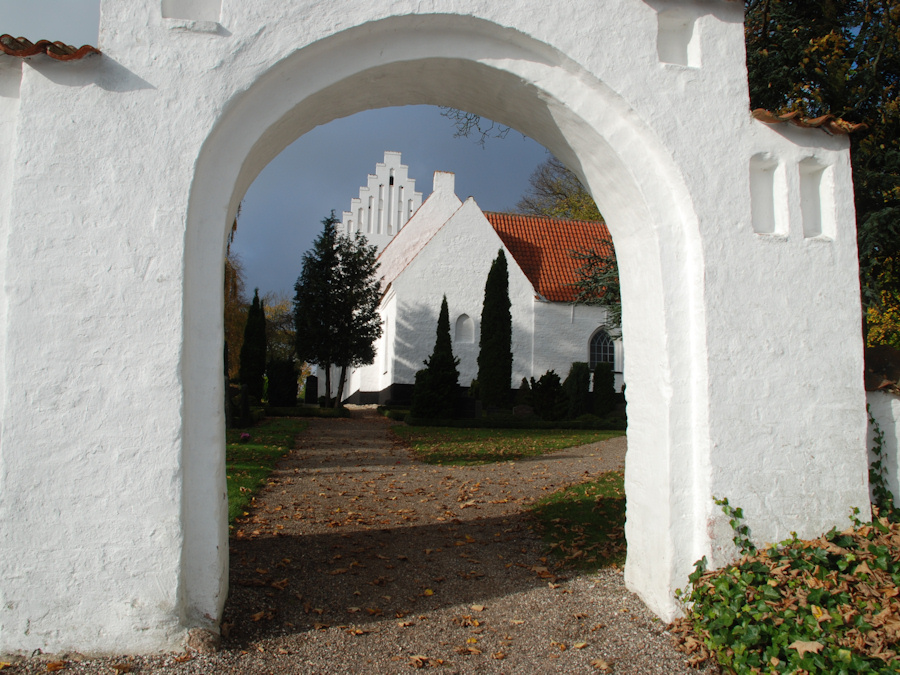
(495, 344)
(336, 303)
(437, 385)
(253, 349)
(577, 387)
(604, 389)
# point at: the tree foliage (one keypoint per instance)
(235, 312)
(556, 191)
(495, 344)
(336, 303)
(841, 57)
(253, 349)
(437, 385)
(597, 280)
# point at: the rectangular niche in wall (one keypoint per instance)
(192, 10)
(678, 41)
(767, 219)
(815, 201)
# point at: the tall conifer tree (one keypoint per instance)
(495, 344)
(437, 386)
(253, 349)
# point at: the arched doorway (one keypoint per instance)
(472, 64)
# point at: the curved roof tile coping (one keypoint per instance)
(22, 48)
(830, 123)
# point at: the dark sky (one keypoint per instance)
(325, 168)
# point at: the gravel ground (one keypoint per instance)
(358, 558)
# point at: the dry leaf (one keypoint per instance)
(428, 591)
(601, 665)
(805, 647)
(123, 667)
(579, 645)
(418, 661)
(498, 655)
(183, 658)
(53, 666)
(4, 665)
(477, 608)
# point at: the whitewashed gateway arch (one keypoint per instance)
(120, 174)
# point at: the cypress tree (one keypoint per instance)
(437, 385)
(495, 344)
(253, 350)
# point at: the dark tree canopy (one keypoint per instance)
(336, 303)
(495, 345)
(253, 349)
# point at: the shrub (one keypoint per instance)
(577, 389)
(605, 398)
(549, 399)
(282, 388)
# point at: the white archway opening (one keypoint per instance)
(508, 77)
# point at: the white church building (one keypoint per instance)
(445, 246)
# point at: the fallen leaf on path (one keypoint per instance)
(53, 666)
(579, 645)
(122, 667)
(498, 656)
(600, 665)
(184, 658)
(478, 608)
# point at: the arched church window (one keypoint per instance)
(602, 349)
(465, 329)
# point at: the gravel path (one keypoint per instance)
(358, 558)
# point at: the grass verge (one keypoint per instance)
(584, 524)
(462, 447)
(248, 464)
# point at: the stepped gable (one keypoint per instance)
(542, 248)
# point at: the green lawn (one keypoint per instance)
(460, 447)
(247, 465)
(584, 524)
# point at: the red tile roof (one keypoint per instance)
(542, 248)
(830, 123)
(22, 48)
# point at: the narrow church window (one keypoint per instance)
(602, 349)
(465, 329)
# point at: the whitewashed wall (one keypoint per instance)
(121, 175)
